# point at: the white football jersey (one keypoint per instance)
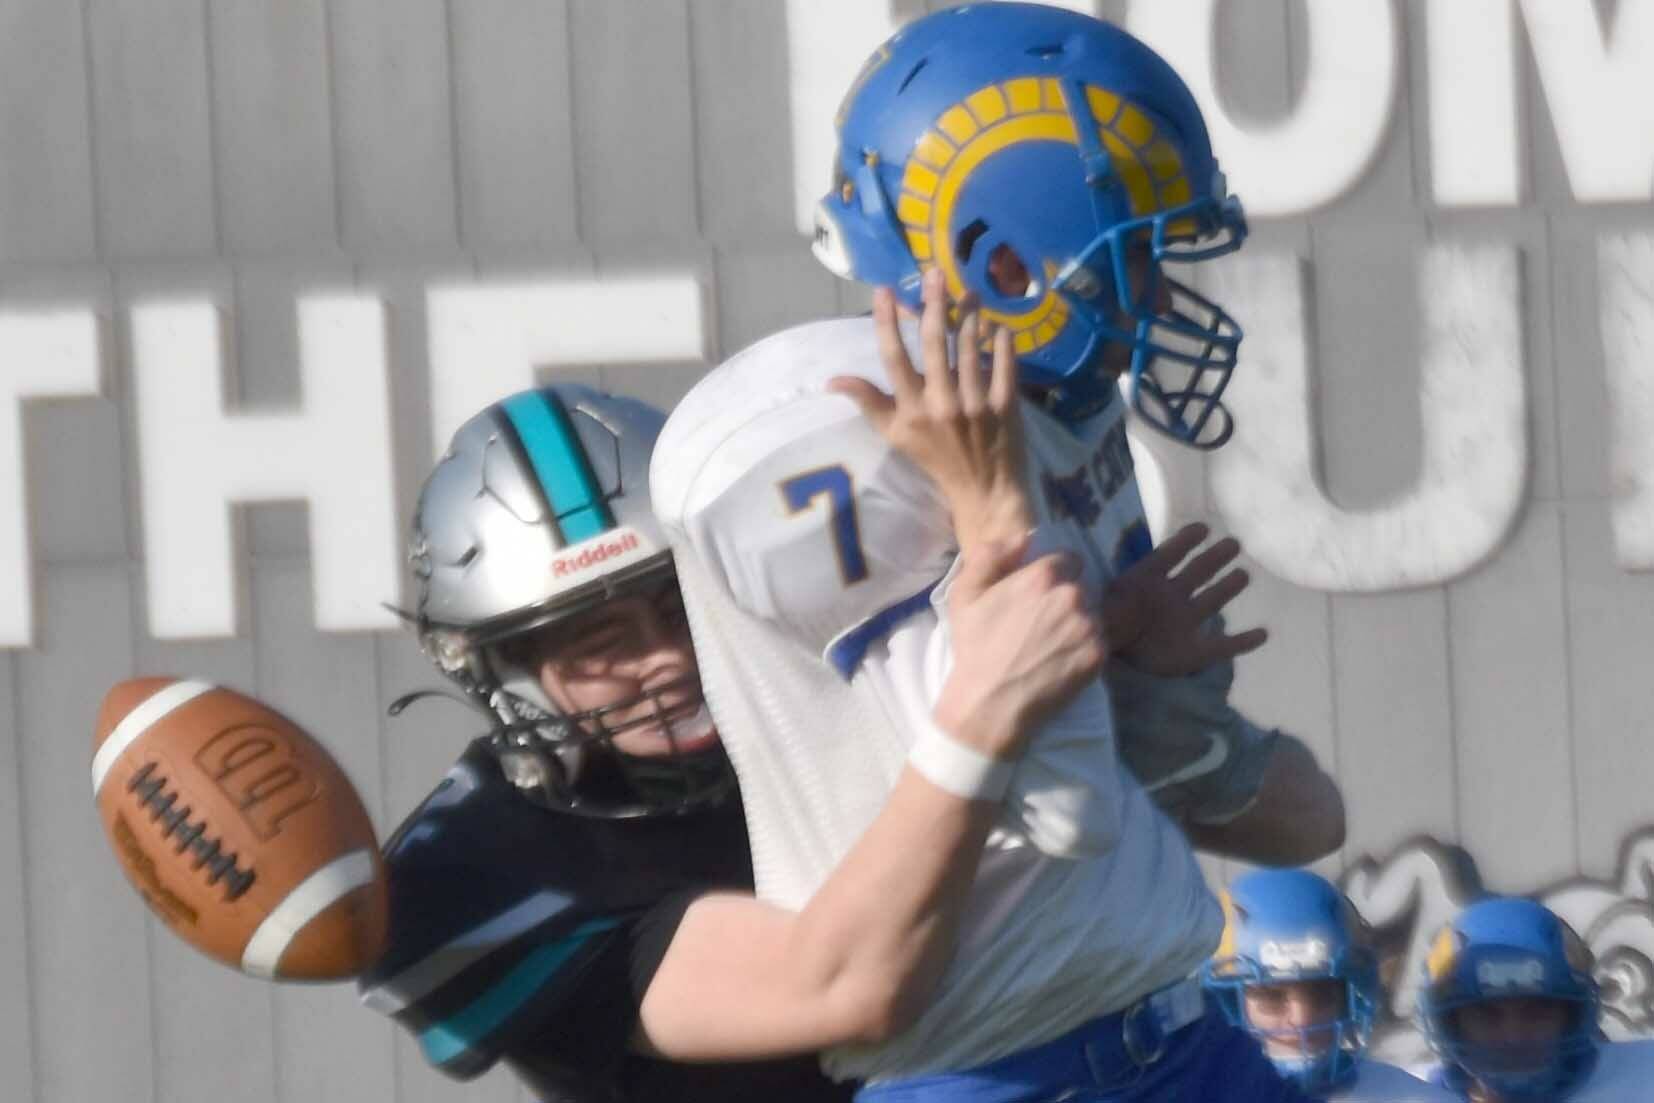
(1376, 1082)
(814, 562)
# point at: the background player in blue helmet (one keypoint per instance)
(575, 895)
(1510, 1005)
(1047, 170)
(1296, 968)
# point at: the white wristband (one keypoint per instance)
(961, 770)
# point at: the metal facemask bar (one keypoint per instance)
(1333, 1067)
(1328, 1052)
(1510, 1070)
(1182, 358)
(570, 763)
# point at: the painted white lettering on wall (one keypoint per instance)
(197, 461)
(1598, 87)
(826, 45)
(44, 354)
(1474, 408)
(487, 340)
(1324, 144)
(1474, 155)
(1625, 286)
(1597, 83)
(1600, 91)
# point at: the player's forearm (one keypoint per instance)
(743, 979)
(881, 932)
(1002, 516)
(882, 927)
(1298, 815)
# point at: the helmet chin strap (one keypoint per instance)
(520, 684)
(1089, 390)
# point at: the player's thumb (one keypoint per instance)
(875, 405)
(986, 563)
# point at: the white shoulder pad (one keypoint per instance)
(792, 501)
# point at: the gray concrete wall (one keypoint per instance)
(249, 153)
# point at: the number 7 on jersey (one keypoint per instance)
(802, 491)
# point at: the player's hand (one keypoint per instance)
(1025, 640)
(1160, 610)
(962, 428)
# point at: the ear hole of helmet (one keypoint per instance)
(1009, 276)
(995, 268)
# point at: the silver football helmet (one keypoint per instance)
(537, 513)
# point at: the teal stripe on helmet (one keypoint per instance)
(560, 462)
(459, 1033)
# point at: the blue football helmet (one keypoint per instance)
(1288, 925)
(1503, 948)
(1001, 137)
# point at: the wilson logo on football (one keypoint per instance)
(168, 903)
(256, 769)
(590, 555)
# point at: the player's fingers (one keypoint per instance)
(985, 564)
(1241, 643)
(1205, 566)
(904, 381)
(933, 344)
(1002, 384)
(970, 356)
(1091, 639)
(876, 406)
(1210, 601)
(1174, 549)
(1047, 572)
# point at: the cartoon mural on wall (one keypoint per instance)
(1409, 894)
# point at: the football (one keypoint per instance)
(239, 830)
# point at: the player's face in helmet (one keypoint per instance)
(547, 593)
(1009, 276)
(1516, 1036)
(1296, 970)
(626, 669)
(1510, 1003)
(1296, 1018)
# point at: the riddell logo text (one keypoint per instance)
(596, 554)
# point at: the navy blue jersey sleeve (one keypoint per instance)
(651, 935)
(527, 936)
(509, 920)
(480, 954)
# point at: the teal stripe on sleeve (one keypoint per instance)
(554, 449)
(459, 1033)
